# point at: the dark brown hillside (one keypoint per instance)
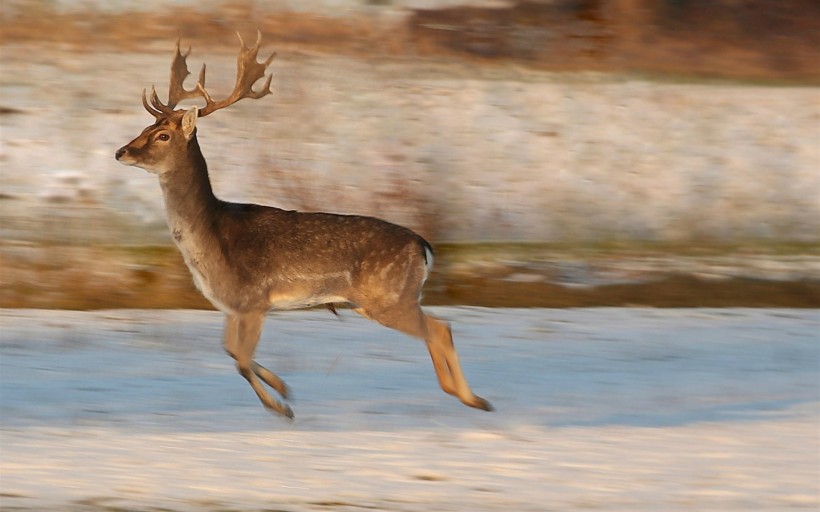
(725, 38)
(745, 39)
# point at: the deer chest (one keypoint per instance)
(205, 273)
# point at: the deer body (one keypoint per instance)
(247, 259)
(248, 256)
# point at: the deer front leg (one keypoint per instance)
(241, 336)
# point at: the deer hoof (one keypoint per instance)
(480, 403)
(280, 408)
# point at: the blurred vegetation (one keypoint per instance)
(488, 275)
(748, 39)
(725, 38)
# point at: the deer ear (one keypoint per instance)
(189, 122)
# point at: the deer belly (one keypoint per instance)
(309, 290)
(284, 301)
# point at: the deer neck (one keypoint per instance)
(190, 203)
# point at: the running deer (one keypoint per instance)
(247, 259)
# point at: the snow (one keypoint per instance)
(475, 152)
(610, 409)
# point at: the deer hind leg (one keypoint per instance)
(438, 337)
(439, 341)
(240, 339)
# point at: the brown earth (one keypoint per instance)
(750, 39)
(724, 38)
(72, 277)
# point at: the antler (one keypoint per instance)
(176, 91)
(248, 71)
(179, 71)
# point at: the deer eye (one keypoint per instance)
(163, 137)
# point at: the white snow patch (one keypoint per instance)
(609, 409)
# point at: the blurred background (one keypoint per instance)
(556, 152)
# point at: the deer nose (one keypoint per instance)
(120, 152)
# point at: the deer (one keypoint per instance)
(249, 259)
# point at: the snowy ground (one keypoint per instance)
(607, 409)
(474, 153)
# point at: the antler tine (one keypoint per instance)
(158, 105)
(155, 108)
(152, 111)
(248, 72)
(179, 72)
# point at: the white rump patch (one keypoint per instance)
(428, 262)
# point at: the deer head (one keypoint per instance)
(160, 146)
